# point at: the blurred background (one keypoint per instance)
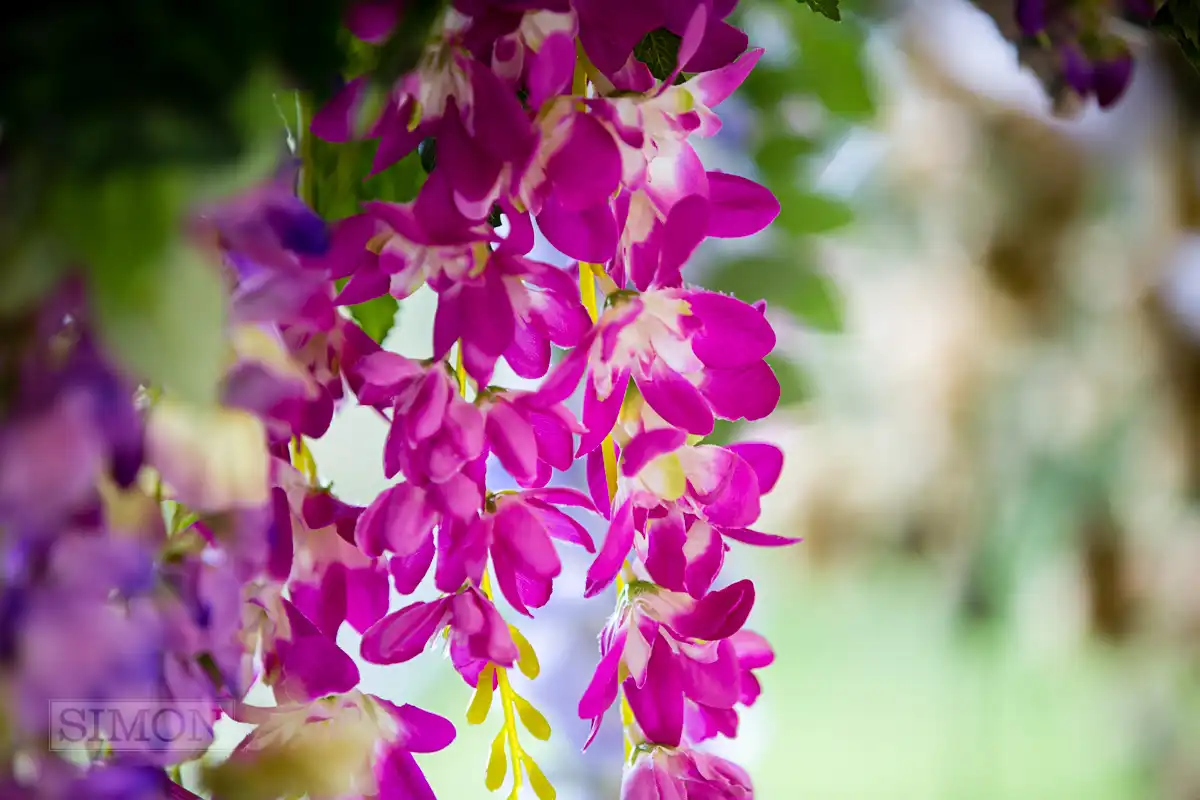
(990, 348)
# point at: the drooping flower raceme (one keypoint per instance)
(176, 554)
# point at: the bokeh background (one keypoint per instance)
(990, 351)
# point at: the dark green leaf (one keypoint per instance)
(828, 8)
(815, 299)
(376, 317)
(338, 185)
(806, 214)
(658, 50)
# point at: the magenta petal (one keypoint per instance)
(564, 377)
(712, 88)
(371, 20)
(602, 688)
(753, 650)
(597, 481)
(522, 531)
(647, 446)
(657, 705)
(586, 169)
(747, 536)
(505, 568)
(403, 635)
(462, 552)
(498, 121)
(560, 496)
(529, 353)
(408, 571)
(684, 229)
(722, 44)
(765, 459)
(421, 730)
(401, 778)
(665, 559)
(740, 207)
(398, 520)
(703, 567)
(715, 683)
(588, 234)
(314, 666)
(676, 400)
(382, 375)
(690, 40)
(727, 487)
(562, 527)
(512, 440)
(335, 122)
(719, 614)
(366, 596)
(734, 335)
(471, 171)
(751, 392)
(556, 445)
(599, 416)
(364, 285)
(617, 543)
(396, 140)
(551, 70)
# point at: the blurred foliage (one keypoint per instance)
(801, 108)
(1179, 20)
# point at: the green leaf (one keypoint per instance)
(828, 8)
(376, 317)
(658, 50)
(806, 214)
(778, 155)
(339, 182)
(165, 321)
(830, 65)
(814, 298)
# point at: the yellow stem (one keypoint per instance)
(460, 372)
(587, 293)
(507, 705)
(608, 451)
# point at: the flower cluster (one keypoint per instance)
(179, 554)
(1093, 60)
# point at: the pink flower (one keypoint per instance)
(702, 722)
(528, 439)
(363, 744)
(434, 432)
(692, 354)
(471, 621)
(670, 646)
(518, 531)
(660, 773)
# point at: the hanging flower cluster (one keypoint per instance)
(198, 551)
(1094, 61)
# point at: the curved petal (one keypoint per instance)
(403, 635)
(740, 207)
(657, 704)
(617, 543)
(422, 731)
